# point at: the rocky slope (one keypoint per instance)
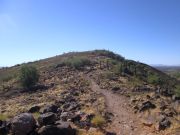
(90, 93)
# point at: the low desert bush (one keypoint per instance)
(29, 76)
(177, 91)
(153, 79)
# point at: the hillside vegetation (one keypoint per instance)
(71, 87)
(115, 65)
(173, 71)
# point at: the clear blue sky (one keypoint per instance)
(143, 30)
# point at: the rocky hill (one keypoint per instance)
(90, 93)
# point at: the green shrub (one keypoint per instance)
(153, 79)
(109, 54)
(29, 76)
(77, 62)
(113, 62)
(109, 75)
(176, 75)
(118, 69)
(122, 69)
(177, 91)
(7, 78)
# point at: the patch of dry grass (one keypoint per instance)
(36, 115)
(21, 103)
(3, 117)
(90, 132)
(98, 121)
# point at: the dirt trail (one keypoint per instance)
(125, 122)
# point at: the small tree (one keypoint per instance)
(29, 76)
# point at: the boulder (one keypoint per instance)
(1, 122)
(147, 105)
(50, 108)
(3, 128)
(23, 124)
(47, 119)
(34, 109)
(63, 129)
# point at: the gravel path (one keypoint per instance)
(125, 122)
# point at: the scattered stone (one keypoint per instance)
(66, 106)
(136, 107)
(148, 96)
(163, 106)
(47, 119)
(170, 112)
(115, 89)
(164, 123)
(110, 133)
(133, 100)
(60, 101)
(64, 116)
(147, 105)
(73, 106)
(23, 124)
(109, 116)
(93, 130)
(76, 118)
(147, 123)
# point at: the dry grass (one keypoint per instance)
(3, 117)
(90, 132)
(98, 121)
(21, 103)
(36, 115)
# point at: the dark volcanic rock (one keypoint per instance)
(73, 106)
(62, 129)
(47, 119)
(164, 123)
(174, 98)
(115, 89)
(23, 124)
(50, 108)
(3, 128)
(110, 133)
(147, 105)
(76, 118)
(64, 116)
(34, 109)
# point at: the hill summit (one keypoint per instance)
(91, 93)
